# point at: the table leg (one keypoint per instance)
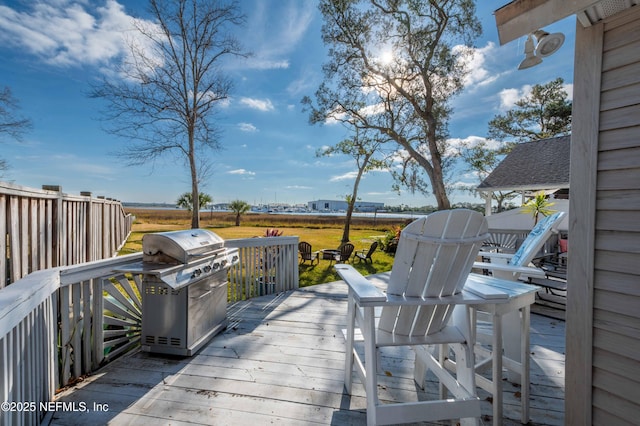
(497, 370)
(525, 360)
(511, 335)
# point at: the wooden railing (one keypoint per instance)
(267, 265)
(59, 324)
(45, 228)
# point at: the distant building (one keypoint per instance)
(341, 205)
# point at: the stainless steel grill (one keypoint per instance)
(184, 289)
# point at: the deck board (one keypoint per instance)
(280, 361)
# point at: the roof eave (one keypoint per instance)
(524, 188)
(522, 17)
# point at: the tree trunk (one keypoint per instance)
(237, 219)
(352, 201)
(195, 195)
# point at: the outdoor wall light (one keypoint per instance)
(547, 45)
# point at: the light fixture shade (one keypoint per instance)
(548, 43)
(531, 58)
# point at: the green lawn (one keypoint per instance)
(326, 238)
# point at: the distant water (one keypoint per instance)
(298, 213)
(358, 214)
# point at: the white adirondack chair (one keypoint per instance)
(517, 265)
(423, 306)
(513, 325)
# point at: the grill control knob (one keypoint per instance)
(216, 265)
(196, 273)
(234, 258)
(224, 262)
(207, 268)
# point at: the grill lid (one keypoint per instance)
(180, 246)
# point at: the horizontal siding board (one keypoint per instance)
(609, 399)
(627, 179)
(620, 77)
(618, 282)
(619, 57)
(619, 97)
(622, 345)
(614, 363)
(614, 220)
(622, 18)
(616, 241)
(620, 32)
(623, 304)
(626, 137)
(625, 325)
(618, 200)
(626, 263)
(619, 159)
(627, 116)
(619, 386)
(605, 418)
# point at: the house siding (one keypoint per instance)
(616, 274)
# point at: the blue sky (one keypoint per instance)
(51, 50)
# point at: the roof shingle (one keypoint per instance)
(542, 164)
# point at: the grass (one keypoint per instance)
(322, 232)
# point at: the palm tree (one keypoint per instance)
(239, 207)
(539, 205)
(186, 201)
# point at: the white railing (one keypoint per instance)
(59, 324)
(267, 265)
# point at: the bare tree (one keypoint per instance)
(394, 64)
(164, 94)
(11, 124)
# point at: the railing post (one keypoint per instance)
(4, 278)
(57, 228)
(89, 235)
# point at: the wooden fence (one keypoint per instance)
(45, 228)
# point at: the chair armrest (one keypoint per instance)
(363, 289)
(495, 255)
(522, 270)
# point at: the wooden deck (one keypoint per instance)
(280, 361)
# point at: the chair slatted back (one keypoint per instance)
(345, 252)
(434, 257)
(536, 239)
(372, 248)
(305, 250)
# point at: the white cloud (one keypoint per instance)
(266, 64)
(346, 176)
(298, 187)
(473, 141)
(479, 63)
(276, 32)
(241, 172)
(509, 97)
(67, 34)
(259, 104)
(569, 89)
(247, 127)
